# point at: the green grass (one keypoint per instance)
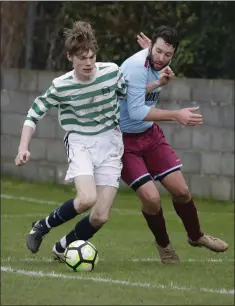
(126, 250)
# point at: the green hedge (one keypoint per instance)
(207, 29)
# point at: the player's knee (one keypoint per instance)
(150, 198)
(98, 219)
(182, 195)
(151, 202)
(83, 202)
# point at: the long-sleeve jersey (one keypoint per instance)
(87, 108)
(136, 105)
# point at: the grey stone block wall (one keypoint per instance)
(207, 152)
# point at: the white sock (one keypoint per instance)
(63, 242)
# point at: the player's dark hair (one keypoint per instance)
(80, 39)
(169, 34)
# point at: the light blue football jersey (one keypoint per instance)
(137, 73)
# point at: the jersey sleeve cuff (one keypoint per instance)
(144, 112)
(30, 123)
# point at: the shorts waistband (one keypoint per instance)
(139, 134)
(107, 132)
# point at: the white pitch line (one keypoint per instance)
(11, 197)
(47, 259)
(117, 210)
(217, 260)
(27, 259)
(171, 286)
(22, 215)
(53, 203)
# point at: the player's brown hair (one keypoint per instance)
(169, 34)
(80, 39)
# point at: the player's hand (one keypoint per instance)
(169, 72)
(187, 116)
(22, 157)
(143, 41)
(166, 75)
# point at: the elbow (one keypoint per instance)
(138, 113)
(136, 116)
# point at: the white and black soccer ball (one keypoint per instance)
(81, 256)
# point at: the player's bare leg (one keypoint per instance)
(89, 225)
(100, 211)
(152, 211)
(186, 210)
(85, 198)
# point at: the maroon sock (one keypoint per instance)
(188, 214)
(157, 225)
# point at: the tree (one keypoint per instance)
(13, 16)
(207, 30)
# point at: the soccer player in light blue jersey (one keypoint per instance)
(147, 155)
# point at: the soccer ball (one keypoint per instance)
(81, 256)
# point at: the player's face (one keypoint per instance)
(162, 53)
(84, 64)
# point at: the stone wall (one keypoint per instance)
(207, 152)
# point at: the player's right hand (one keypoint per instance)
(187, 116)
(22, 157)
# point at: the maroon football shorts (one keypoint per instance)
(147, 156)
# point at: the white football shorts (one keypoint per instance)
(97, 155)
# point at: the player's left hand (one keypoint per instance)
(143, 41)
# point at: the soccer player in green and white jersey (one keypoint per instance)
(86, 98)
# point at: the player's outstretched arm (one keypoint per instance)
(185, 116)
(39, 108)
(23, 155)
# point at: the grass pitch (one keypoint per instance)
(129, 271)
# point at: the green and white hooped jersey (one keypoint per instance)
(87, 108)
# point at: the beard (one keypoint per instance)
(150, 58)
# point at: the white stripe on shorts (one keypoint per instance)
(167, 171)
(140, 177)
